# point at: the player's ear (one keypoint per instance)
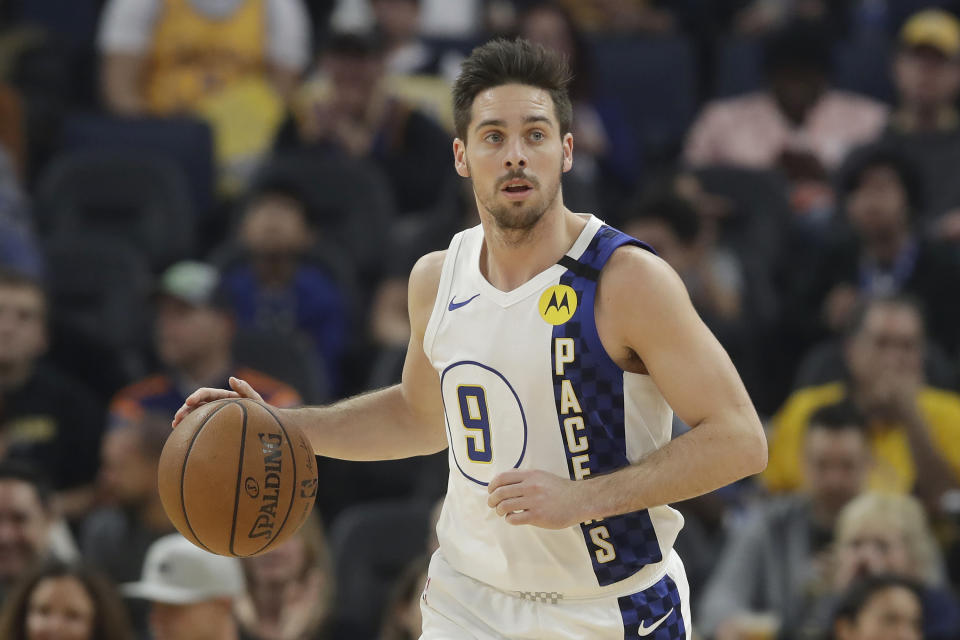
(460, 158)
(567, 151)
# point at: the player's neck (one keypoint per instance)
(510, 258)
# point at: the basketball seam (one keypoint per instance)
(183, 473)
(236, 490)
(293, 493)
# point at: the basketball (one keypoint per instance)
(235, 480)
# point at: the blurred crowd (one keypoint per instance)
(194, 189)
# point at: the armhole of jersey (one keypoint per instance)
(443, 290)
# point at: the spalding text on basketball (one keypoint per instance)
(267, 518)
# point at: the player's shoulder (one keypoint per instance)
(639, 276)
(425, 276)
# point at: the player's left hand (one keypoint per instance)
(538, 498)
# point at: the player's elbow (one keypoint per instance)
(754, 448)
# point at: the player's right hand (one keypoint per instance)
(238, 389)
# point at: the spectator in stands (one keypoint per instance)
(879, 534)
(289, 589)
(913, 429)
(26, 522)
(61, 601)
(191, 592)
(449, 19)
(166, 57)
(194, 331)
(233, 63)
(926, 123)
(115, 537)
(798, 123)
(397, 24)
(882, 253)
(402, 619)
(776, 562)
(348, 110)
(712, 275)
(46, 418)
(283, 281)
(18, 248)
(605, 143)
(881, 607)
(762, 17)
(622, 16)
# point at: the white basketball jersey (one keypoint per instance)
(527, 384)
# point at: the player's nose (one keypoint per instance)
(515, 156)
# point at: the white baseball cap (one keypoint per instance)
(177, 572)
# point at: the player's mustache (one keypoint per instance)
(516, 174)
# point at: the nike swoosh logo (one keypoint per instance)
(645, 631)
(456, 305)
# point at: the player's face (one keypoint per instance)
(60, 609)
(894, 613)
(198, 621)
(23, 528)
(515, 155)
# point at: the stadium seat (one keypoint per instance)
(75, 20)
(188, 142)
(655, 79)
(739, 66)
(371, 544)
(861, 65)
(98, 288)
(141, 198)
(285, 357)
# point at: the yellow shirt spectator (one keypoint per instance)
(893, 468)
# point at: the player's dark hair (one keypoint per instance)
(20, 471)
(861, 592)
(110, 621)
(836, 417)
(501, 62)
(859, 316)
(877, 155)
(675, 212)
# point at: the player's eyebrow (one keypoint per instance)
(495, 122)
(490, 123)
(530, 119)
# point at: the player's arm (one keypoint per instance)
(396, 422)
(644, 308)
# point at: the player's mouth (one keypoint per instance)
(516, 189)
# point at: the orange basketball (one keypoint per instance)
(236, 481)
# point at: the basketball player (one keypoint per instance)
(547, 350)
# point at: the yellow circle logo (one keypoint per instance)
(558, 304)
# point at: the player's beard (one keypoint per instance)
(518, 216)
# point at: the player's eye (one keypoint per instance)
(537, 135)
(493, 137)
